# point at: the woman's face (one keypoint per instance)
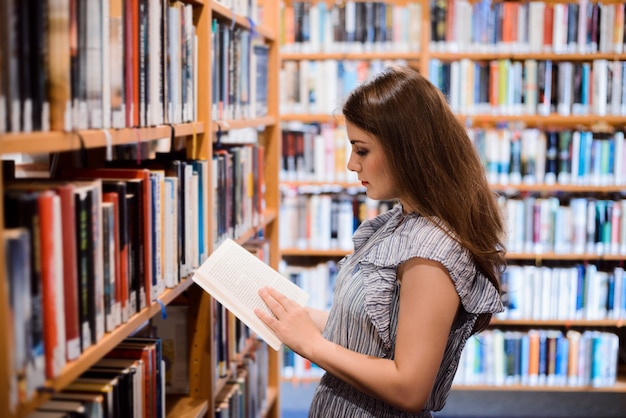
(368, 160)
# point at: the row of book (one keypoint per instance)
(320, 86)
(532, 87)
(317, 280)
(244, 395)
(581, 291)
(513, 156)
(351, 26)
(298, 368)
(580, 27)
(243, 379)
(323, 221)
(240, 72)
(89, 248)
(69, 64)
(540, 357)
(237, 190)
(315, 153)
(127, 381)
(579, 225)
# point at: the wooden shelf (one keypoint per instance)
(555, 188)
(619, 387)
(565, 257)
(312, 252)
(228, 124)
(45, 142)
(319, 56)
(296, 252)
(179, 406)
(482, 56)
(94, 353)
(223, 12)
(592, 122)
(567, 323)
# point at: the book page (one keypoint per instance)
(233, 276)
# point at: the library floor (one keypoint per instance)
(295, 399)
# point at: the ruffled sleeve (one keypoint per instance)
(416, 236)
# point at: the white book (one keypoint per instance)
(94, 63)
(616, 87)
(535, 14)
(233, 276)
(600, 86)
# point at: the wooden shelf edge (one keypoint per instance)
(456, 56)
(181, 406)
(619, 387)
(271, 399)
(373, 55)
(224, 12)
(296, 252)
(228, 124)
(616, 323)
(43, 142)
(107, 343)
(534, 120)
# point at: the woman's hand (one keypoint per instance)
(291, 322)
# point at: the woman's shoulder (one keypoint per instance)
(413, 235)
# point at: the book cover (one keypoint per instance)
(17, 253)
(144, 225)
(65, 191)
(233, 276)
(51, 259)
(21, 210)
(146, 352)
(92, 402)
(84, 265)
(109, 253)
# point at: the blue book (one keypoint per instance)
(562, 360)
(524, 358)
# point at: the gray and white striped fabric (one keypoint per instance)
(364, 315)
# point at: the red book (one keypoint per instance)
(145, 352)
(122, 265)
(51, 260)
(65, 191)
(144, 212)
(548, 26)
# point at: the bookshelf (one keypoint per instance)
(75, 134)
(449, 47)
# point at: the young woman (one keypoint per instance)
(423, 276)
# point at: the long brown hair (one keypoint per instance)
(436, 166)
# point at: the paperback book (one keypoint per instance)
(233, 276)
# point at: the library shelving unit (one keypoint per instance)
(459, 38)
(193, 135)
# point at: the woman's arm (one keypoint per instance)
(428, 305)
(318, 316)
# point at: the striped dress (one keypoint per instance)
(364, 315)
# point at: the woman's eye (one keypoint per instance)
(361, 152)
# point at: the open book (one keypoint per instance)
(233, 276)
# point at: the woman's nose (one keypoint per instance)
(352, 164)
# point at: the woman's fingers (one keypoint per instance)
(274, 300)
